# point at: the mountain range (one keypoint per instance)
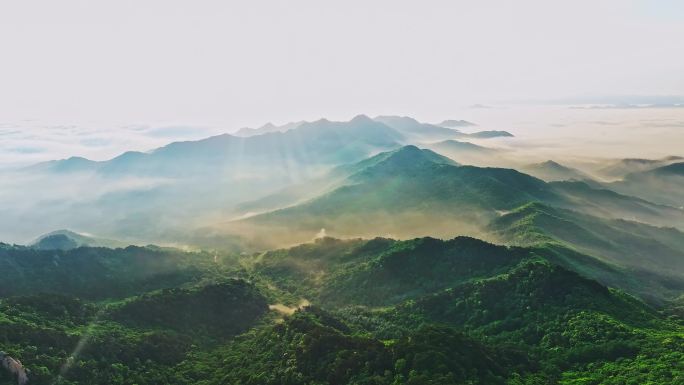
(131, 190)
(375, 251)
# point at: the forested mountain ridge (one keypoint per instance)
(573, 284)
(405, 193)
(439, 197)
(415, 311)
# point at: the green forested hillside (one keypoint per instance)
(98, 273)
(422, 311)
(406, 193)
(575, 294)
(650, 259)
(411, 192)
(312, 347)
(214, 312)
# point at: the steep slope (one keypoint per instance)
(408, 192)
(312, 188)
(411, 192)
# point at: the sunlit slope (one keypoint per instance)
(164, 194)
(411, 192)
(408, 192)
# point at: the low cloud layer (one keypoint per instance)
(27, 142)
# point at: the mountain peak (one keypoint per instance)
(267, 126)
(451, 123)
(553, 164)
(408, 149)
(361, 118)
(406, 158)
(491, 134)
(71, 164)
(66, 240)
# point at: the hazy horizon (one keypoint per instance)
(95, 81)
(554, 131)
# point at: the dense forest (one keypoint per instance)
(379, 311)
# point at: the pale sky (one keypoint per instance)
(229, 64)
(243, 62)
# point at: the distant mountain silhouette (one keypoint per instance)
(452, 123)
(266, 128)
(554, 171)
